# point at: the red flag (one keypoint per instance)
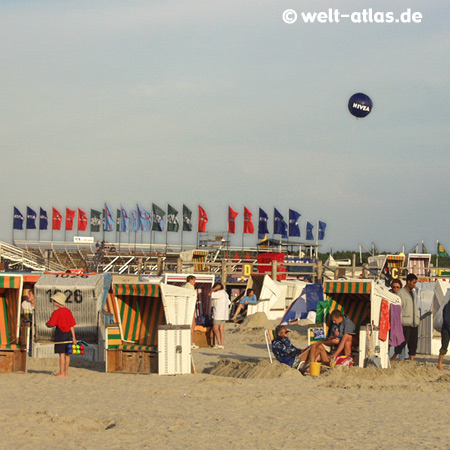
(70, 215)
(82, 220)
(56, 220)
(248, 225)
(231, 220)
(202, 219)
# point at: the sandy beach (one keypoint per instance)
(243, 402)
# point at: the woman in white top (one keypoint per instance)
(220, 303)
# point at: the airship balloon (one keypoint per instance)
(360, 105)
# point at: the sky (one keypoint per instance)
(224, 104)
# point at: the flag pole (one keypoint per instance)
(182, 226)
(317, 239)
(167, 220)
(13, 228)
(437, 254)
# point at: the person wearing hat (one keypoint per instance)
(62, 318)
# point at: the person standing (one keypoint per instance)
(445, 334)
(190, 284)
(62, 318)
(220, 303)
(28, 306)
(410, 318)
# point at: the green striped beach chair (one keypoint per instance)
(140, 311)
(12, 353)
(351, 298)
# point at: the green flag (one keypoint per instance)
(172, 219)
(187, 216)
(424, 249)
(441, 251)
(158, 218)
(96, 221)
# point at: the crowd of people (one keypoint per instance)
(341, 339)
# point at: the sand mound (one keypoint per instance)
(252, 368)
(419, 377)
(258, 320)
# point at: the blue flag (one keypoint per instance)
(145, 219)
(43, 219)
(17, 220)
(309, 231)
(31, 219)
(262, 224)
(134, 220)
(322, 227)
(294, 229)
(279, 225)
(124, 220)
(109, 219)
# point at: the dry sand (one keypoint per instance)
(244, 402)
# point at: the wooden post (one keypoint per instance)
(274, 270)
(179, 265)
(364, 270)
(319, 270)
(224, 271)
(159, 265)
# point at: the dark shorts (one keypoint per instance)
(62, 336)
(411, 338)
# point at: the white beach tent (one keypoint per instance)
(268, 294)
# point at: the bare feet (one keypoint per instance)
(60, 375)
(440, 367)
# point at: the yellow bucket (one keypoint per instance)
(314, 369)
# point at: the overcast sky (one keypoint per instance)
(222, 103)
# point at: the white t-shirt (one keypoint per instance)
(220, 303)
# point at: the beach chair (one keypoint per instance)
(13, 336)
(132, 344)
(269, 335)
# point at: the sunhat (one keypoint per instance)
(59, 297)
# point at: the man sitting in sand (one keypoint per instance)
(342, 334)
(286, 353)
(249, 299)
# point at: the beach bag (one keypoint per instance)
(344, 361)
(372, 359)
(203, 320)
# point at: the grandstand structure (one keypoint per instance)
(62, 256)
(215, 256)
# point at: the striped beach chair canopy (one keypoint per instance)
(350, 297)
(10, 304)
(141, 311)
(419, 264)
(84, 294)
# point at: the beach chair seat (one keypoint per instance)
(269, 336)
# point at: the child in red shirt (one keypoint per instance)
(64, 322)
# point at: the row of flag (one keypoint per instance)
(141, 219)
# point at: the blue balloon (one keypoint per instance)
(360, 105)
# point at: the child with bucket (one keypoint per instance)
(62, 318)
